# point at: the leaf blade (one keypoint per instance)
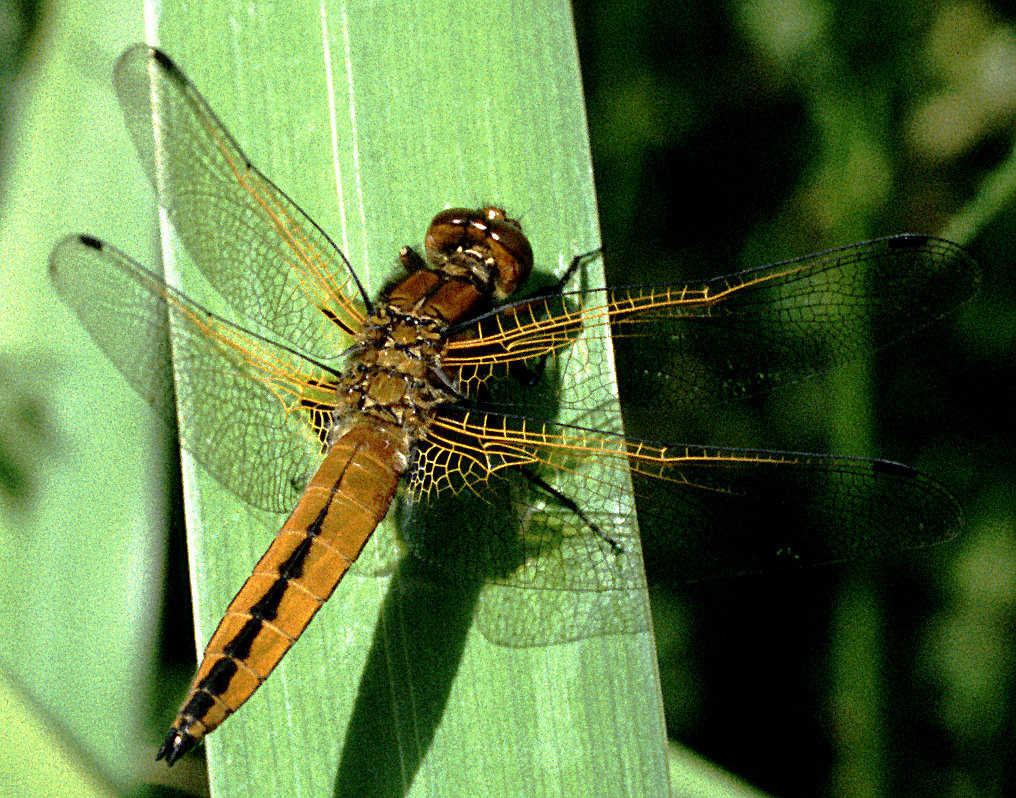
(424, 112)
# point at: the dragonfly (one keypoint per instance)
(482, 417)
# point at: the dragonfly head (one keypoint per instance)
(487, 241)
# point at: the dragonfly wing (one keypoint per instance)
(742, 511)
(687, 346)
(264, 255)
(503, 530)
(779, 324)
(251, 407)
(562, 518)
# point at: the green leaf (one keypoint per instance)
(81, 535)
(373, 117)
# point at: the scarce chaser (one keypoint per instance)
(325, 404)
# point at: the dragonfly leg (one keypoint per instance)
(573, 267)
(570, 504)
(411, 260)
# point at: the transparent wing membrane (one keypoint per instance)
(263, 254)
(247, 420)
(786, 503)
(734, 336)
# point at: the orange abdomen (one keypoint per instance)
(340, 508)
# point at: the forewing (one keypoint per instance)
(696, 345)
(253, 411)
(264, 255)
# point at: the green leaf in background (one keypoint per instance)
(81, 548)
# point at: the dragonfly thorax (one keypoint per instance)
(394, 375)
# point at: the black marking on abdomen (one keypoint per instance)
(267, 607)
(239, 646)
(293, 566)
(199, 705)
(218, 678)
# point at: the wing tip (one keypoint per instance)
(908, 240)
(89, 241)
(163, 60)
(136, 64)
(58, 257)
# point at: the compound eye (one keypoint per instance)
(513, 253)
(490, 233)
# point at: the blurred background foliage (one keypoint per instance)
(726, 135)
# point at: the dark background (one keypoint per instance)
(727, 135)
